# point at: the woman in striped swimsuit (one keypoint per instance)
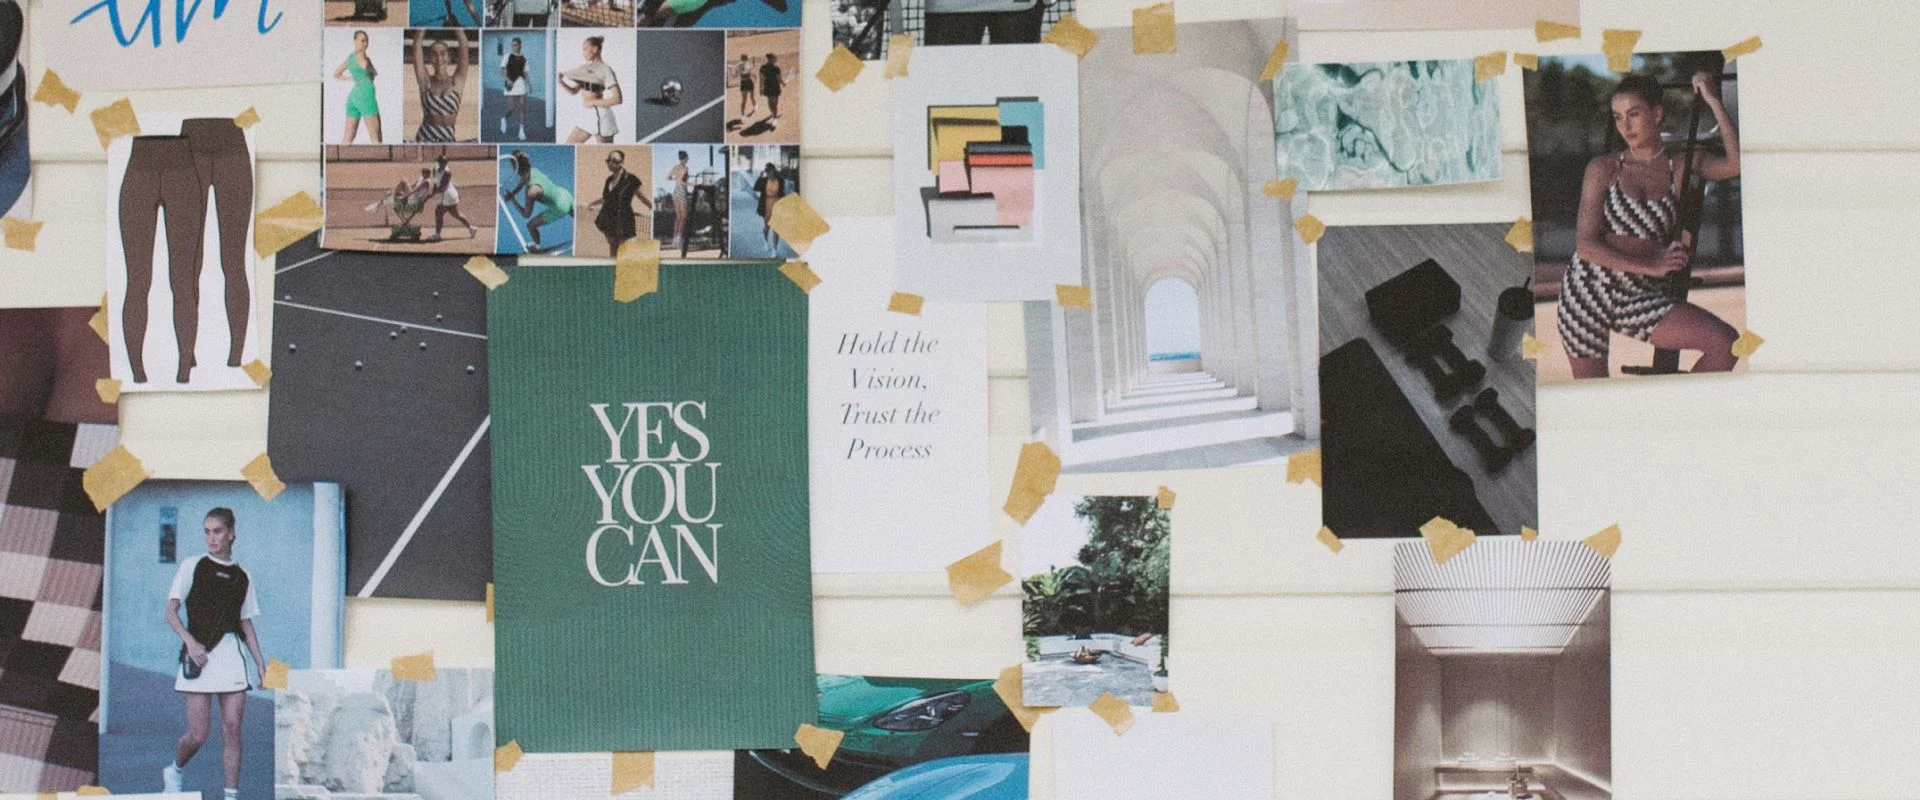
(440, 72)
(1628, 259)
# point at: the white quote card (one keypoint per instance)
(897, 414)
(1189, 754)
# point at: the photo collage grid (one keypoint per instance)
(560, 127)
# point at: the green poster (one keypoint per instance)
(652, 583)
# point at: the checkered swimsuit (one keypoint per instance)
(1596, 300)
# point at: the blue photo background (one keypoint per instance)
(556, 238)
(751, 239)
(299, 580)
(737, 14)
(433, 13)
(537, 46)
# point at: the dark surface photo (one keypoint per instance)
(1426, 405)
(1502, 676)
(861, 25)
(1639, 265)
(407, 336)
(935, 22)
(679, 86)
(905, 738)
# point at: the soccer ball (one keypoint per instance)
(670, 92)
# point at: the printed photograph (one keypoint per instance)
(760, 68)
(595, 67)
(622, 208)
(444, 14)
(1426, 405)
(16, 175)
(360, 733)
(937, 22)
(205, 583)
(1639, 264)
(517, 98)
(413, 198)
(597, 13)
(1191, 357)
(443, 80)
(690, 200)
(523, 14)
(762, 174)
(1096, 600)
(365, 74)
(407, 335)
(52, 427)
(719, 13)
(1386, 124)
(536, 192)
(905, 738)
(1502, 673)
(386, 13)
(180, 273)
(861, 26)
(681, 89)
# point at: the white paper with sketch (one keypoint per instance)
(897, 414)
(1189, 754)
(150, 44)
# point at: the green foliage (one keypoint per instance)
(1122, 583)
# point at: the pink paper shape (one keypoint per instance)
(1012, 190)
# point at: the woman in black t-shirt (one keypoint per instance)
(770, 82)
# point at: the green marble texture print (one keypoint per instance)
(1385, 124)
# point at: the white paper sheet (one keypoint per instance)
(1188, 754)
(151, 44)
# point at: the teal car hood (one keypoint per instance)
(992, 777)
(847, 701)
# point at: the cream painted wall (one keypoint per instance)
(1766, 618)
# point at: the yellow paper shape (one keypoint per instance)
(247, 118)
(802, 275)
(899, 49)
(973, 578)
(507, 755)
(1742, 48)
(1528, 534)
(1153, 29)
(489, 601)
(259, 472)
(1606, 542)
(1310, 228)
(1073, 296)
(632, 769)
(796, 221)
(636, 269)
(1490, 65)
(1304, 466)
(108, 389)
(818, 743)
(93, 791)
(1165, 703)
(906, 303)
(1520, 236)
(1008, 688)
(1445, 539)
(115, 120)
(1069, 35)
(1618, 44)
(1527, 60)
(1746, 344)
(20, 234)
(259, 372)
(113, 476)
(56, 92)
(486, 272)
(1115, 711)
(417, 667)
(1276, 61)
(952, 128)
(1034, 477)
(1531, 348)
(288, 221)
(1327, 537)
(1545, 31)
(98, 322)
(841, 68)
(1164, 498)
(276, 676)
(1282, 189)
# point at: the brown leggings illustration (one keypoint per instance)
(173, 173)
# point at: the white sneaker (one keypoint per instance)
(503, 126)
(170, 779)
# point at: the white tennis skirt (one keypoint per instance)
(519, 87)
(225, 672)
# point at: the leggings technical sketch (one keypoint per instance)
(173, 173)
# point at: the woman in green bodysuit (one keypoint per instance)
(539, 189)
(362, 102)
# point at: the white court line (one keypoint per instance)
(305, 307)
(306, 262)
(426, 508)
(676, 123)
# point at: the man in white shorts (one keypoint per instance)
(220, 603)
